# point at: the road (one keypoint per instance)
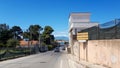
(48, 59)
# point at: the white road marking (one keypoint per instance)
(61, 64)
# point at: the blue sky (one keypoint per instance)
(55, 12)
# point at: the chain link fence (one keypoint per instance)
(108, 30)
(10, 53)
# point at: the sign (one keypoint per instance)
(82, 36)
(81, 40)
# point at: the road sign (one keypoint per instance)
(82, 36)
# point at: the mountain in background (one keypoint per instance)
(61, 38)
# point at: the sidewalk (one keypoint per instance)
(81, 64)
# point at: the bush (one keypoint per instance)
(43, 44)
(50, 47)
(2, 45)
(12, 43)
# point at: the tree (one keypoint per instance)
(16, 31)
(34, 31)
(4, 36)
(26, 35)
(3, 27)
(46, 37)
(52, 38)
(48, 30)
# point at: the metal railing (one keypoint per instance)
(9, 52)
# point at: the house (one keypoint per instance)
(77, 22)
(24, 43)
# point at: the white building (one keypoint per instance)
(78, 22)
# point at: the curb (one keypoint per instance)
(73, 64)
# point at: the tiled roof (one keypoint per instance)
(25, 43)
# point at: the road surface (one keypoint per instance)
(48, 59)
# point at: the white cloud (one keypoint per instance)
(63, 33)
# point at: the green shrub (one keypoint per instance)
(2, 45)
(50, 47)
(12, 43)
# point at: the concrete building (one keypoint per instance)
(78, 22)
(103, 52)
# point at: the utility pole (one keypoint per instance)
(30, 40)
(39, 40)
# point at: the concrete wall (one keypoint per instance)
(102, 52)
(76, 49)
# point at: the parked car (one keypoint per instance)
(63, 48)
(43, 49)
(57, 49)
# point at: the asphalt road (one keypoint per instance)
(48, 59)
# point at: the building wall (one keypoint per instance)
(79, 17)
(76, 51)
(102, 52)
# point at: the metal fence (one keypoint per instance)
(108, 30)
(9, 53)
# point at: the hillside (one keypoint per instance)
(61, 38)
